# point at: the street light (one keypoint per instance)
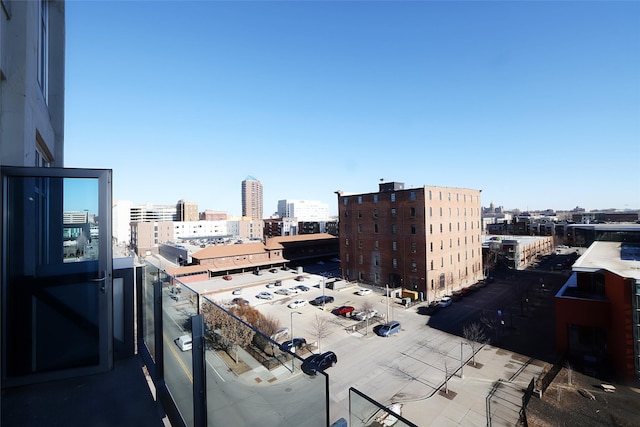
(293, 349)
(461, 359)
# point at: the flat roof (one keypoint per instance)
(520, 239)
(617, 257)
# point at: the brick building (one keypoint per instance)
(425, 239)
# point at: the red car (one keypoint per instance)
(227, 277)
(344, 310)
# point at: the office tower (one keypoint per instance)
(187, 211)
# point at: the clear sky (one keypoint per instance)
(535, 103)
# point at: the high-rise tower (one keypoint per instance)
(252, 198)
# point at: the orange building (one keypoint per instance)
(595, 323)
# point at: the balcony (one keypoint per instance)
(233, 374)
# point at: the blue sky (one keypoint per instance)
(535, 103)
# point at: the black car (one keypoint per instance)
(294, 343)
(326, 299)
(319, 362)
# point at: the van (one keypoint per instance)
(389, 328)
(184, 342)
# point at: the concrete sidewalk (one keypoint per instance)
(466, 402)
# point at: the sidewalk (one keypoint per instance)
(466, 402)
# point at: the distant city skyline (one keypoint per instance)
(534, 103)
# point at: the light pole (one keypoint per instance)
(462, 359)
(293, 349)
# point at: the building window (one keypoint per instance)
(430, 228)
(441, 228)
(359, 200)
(449, 227)
(441, 245)
(375, 213)
(359, 213)
(414, 266)
(377, 261)
(394, 246)
(393, 197)
(413, 247)
(440, 211)
(346, 242)
(347, 260)
(375, 198)
(360, 259)
(412, 196)
(393, 229)
(359, 228)
(43, 50)
(376, 244)
(430, 211)
(413, 229)
(377, 278)
(360, 244)
(429, 194)
(431, 265)
(393, 212)
(440, 194)
(412, 212)
(450, 243)
(375, 228)
(346, 214)
(345, 201)
(431, 246)
(394, 262)
(442, 281)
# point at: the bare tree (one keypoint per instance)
(492, 324)
(321, 329)
(475, 337)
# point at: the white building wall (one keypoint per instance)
(30, 114)
(304, 210)
(121, 217)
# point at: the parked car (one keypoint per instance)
(445, 302)
(303, 288)
(294, 290)
(239, 301)
(343, 310)
(288, 345)
(273, 270)
(319, 362)
(280, 333)
(237, 291)
(265, 295)
(283, 291)
(300, 278)
(278, 282)
(298, 303)
(271, 285)
(363, 292)
(389, 328)
(364, 315)
(184, 342)
(322, 299)
(227, 277)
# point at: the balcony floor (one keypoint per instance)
(120, 397)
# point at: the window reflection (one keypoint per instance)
(80, 219)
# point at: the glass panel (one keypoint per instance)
(250, 380)
(365, 412)
(149, 275)
(80, 219)
(179, 303)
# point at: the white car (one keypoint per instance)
(294, 290)
(280, 333)
(363, 292)
(184, 342)
(364, 315)
(298, 303)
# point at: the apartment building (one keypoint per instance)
(597, 310)
(425, 239)
(252, 198)
(186, 211)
